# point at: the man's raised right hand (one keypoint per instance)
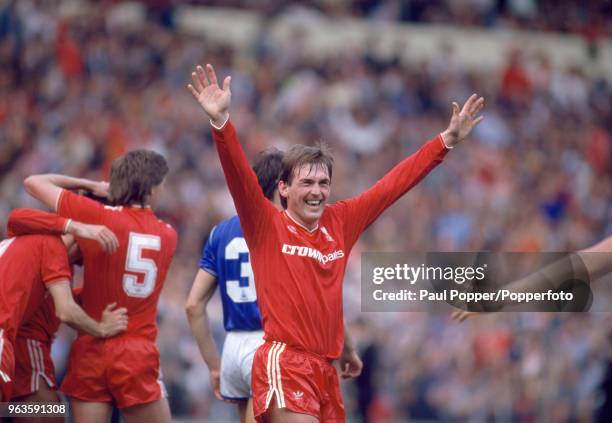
(214, 100)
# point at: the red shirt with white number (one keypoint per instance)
(132, 276)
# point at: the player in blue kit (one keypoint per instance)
(225, 262)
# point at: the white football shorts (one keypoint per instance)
(236, 363)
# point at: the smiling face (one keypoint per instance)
(307, 193)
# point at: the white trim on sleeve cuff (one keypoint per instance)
(446, 145)
(222, 125)
(67, 225)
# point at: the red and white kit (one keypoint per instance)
(28, 264)
(125, 368)
(299, 275)
(33, 361)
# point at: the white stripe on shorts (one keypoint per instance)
(160, 382)
(41, 362)
(33, 364)
(3, 375)
(275, 385)
(280, 393)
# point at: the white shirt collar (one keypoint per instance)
(299, 224)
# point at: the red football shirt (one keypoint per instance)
(41, 323)
(133, 276)
(28, 264)
(299, 273)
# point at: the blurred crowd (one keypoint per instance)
(590, 18)
(535, 176)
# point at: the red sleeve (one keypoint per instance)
(253, 207)
(80, 208)
(359, 212)
(54, 264)
(172, 240)
(32, 221)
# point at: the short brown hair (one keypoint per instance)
(134, 175)
(299, 155)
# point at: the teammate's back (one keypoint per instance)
(125, 370)
(133, 276)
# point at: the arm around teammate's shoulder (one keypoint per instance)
(24, 221)
(31, 221)
(48, 188)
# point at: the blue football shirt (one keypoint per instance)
(226, 256)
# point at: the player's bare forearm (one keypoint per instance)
(200, 328)
(598, 258)
(69, 312)
(349, 345)
(551, 277)
(587, 264)
(595, 260)
(47, 188)
(202, 290)
(65, 182)
(350, 363)
(77, 319)
(31, 221)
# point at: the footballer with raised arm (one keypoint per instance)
(299, 255)
(124, 370)
(225, 263)
(31, 264)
